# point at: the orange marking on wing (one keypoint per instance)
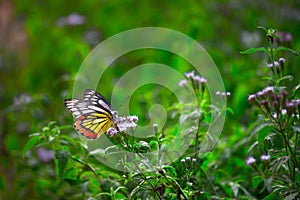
(82, 130)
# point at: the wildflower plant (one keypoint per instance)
(272, 157)
(279, 107)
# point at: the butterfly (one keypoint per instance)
(93, 115)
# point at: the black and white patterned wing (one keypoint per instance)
(97, 99)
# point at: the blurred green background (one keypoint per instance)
(43, 43)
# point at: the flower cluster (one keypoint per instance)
(197, 82)
(223, 94)
(284, 38)
(275, 103)
(277, 67)
(189, 162)
(122, 124)
(251, 160)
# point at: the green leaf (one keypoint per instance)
(296, 53)
(170, 171)
(253, 50)
(263, 28)
(119, 188)
(292, 196)
(256, 181)
(61, 158)
(268, 183)
(142, 147)
(94, 185)
(30, 143)
(71, 173)
(252, 147)
(272, 196)
(289, 78)
(262, 135)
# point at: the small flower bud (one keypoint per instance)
(275, 104)
(276, 64)
(269, 90)
(134, 118)
(183, 163)
(270, 65)
(155, 126)
(285, 93)
(261, 94)
(265, 157)
(265, 103)
(250, 161)
(252, 98)
(290, 107)
(274, 97)
(112, 131)
(189, 74)
(281, 60)
(182, 83)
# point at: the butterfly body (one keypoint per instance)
(93, 115)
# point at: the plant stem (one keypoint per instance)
(208, 181)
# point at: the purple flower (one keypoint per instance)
(288, 37)
(134, 118)
(200, 79)
(283, 111)
(218, 93)
(270, 65)
(182, 83)
(124, 123)
(250, 160)
(73, 19)
(275, 104)
(285, 93)
(45, 155)
(281, 60)
(284, 37)
(261, 94)
(268, 90)
(228, 93)
(189, 74)
(252, 98)
(296, 102)
(112, 131)
(265, 157)
(290, 104)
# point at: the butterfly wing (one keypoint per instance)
(93, 114)
(97, 99)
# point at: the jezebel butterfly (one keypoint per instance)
(93, 115)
